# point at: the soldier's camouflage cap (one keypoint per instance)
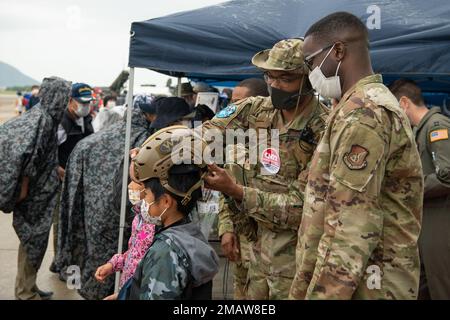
(286, 55)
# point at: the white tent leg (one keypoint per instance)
(126, 165)
(179, 87)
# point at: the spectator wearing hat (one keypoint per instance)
(171, 111)
(76, 123)
(188, 94)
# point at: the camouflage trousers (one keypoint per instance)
(240, 270)
(269, 276)
(263, 286)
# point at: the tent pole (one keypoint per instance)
(179, 87)
(126, 164)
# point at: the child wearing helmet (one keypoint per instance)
(180, 264)
(142, 233)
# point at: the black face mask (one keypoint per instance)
(282, 99)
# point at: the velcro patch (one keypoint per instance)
(355, 159)
(436, 135)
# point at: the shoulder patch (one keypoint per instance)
(355, 159)
(228, 111)
(439, 134)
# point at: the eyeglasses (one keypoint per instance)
(283, 80)
(309, 59)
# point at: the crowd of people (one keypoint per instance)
(352, 202)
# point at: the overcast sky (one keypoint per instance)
(80, 40)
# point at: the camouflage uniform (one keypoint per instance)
(271, 209)
(434, 147)
(28, 148)
(363, 203)
(90, 203)
(240, 268)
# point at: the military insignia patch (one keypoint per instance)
(355, 159)
(228, 111)
(436, 135)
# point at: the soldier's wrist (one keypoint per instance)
(236, 192)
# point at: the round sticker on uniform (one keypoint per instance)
(271, 160)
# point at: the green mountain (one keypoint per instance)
(11, 77)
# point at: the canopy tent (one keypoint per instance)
(216, 43)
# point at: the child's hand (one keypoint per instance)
(103, 272)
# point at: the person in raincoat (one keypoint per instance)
(29, 181)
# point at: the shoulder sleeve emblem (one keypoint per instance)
(355, 159)
(440, 134)
(228, 111)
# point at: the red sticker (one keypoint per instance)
(271, 160)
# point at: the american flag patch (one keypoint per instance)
(436, 135)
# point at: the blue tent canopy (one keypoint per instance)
(217, 42)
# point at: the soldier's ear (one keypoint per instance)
(339, 50)
(404, 103)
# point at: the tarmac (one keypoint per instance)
(47, 281)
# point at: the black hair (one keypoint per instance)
(202, 111)
(181, 177)
(330, 28)
(107, 98)
(257, 87)
(407, 88)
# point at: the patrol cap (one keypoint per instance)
(286, 55)
(81, 92)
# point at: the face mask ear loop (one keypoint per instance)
(339, 64)
(329, 51)
(164, 211)
(300, 93)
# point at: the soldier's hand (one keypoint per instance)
(220, 180)
(230, 247)
(103, 272)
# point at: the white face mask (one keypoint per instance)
(326, 87)
(145, 207)
(82, 110)
(134, 196)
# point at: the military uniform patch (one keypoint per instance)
(228, 111)
(355, 159)
(436, 135)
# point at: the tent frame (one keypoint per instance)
(126, 165)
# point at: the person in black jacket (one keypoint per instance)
(76, 123)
